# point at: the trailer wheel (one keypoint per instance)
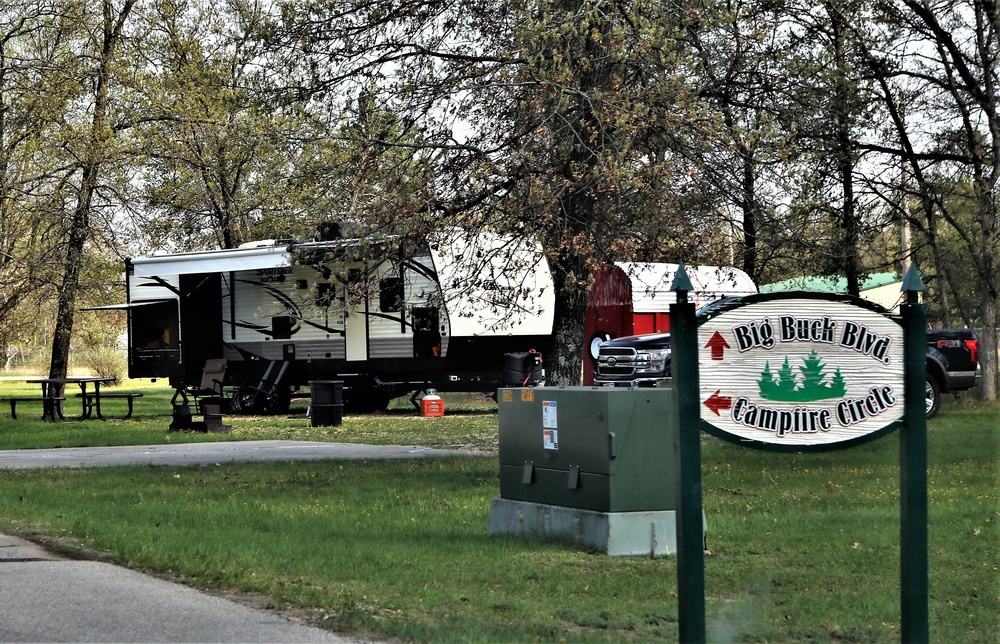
(367, 401)
(596, 340)
(244, 402)
(251, 401)
(280, 401)
(367, 397)
(381, 401)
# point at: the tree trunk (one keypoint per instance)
(566, 369)
(750, 211)
(79, 230)
(78, 234)
(988, 349)
(940, 267)
(845, 153)
(578, 205)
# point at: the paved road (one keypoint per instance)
(44, 598)
(207, 454)
(47, 598)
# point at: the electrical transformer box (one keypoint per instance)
(592, 448)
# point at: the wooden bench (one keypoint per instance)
(45, 401)
(129, 396)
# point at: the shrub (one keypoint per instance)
(106, 362)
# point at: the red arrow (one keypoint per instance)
(717, 344)
(716, 402)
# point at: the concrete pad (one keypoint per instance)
(618, 534)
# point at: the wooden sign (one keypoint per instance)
(800, 371)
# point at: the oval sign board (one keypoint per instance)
(800, 371)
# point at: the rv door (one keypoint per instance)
(356, 321)
(356, 329)
(426, 333)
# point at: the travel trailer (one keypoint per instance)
(458, 311)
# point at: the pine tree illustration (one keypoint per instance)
(766, 383)
(838, 387)
(786, 380)
(812, 375)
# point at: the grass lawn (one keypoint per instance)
(802, 547)
(469, 424)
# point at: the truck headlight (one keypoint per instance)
(655, 361)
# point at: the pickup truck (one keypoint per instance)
(952, 361)
(644, 361)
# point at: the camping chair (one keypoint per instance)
(210, 388)
(211, 382)
(265, 397)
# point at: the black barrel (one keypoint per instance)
(326, 403)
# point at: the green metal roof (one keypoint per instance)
(829, 284)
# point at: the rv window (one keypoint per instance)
(281, 327)
(390, 295)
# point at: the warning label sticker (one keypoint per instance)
(549, 419)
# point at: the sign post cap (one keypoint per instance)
(681, 283)
(911, 281)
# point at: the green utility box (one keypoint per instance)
(591, 448)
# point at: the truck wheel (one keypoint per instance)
(932, 397)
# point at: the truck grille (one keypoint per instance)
(619, 361)
(615, 371)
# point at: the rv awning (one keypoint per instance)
(125, 306)
(216, 261)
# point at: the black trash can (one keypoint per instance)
(326, 403)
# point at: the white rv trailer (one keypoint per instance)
(386, 317)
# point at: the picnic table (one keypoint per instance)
(52, 397)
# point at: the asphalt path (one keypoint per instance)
(45, 597)
(208, 454)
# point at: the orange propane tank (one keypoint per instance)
(431, 404)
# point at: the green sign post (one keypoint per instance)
(800, 372)
(687, 468)
(913, 469)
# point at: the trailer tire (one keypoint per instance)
(368, 397)
(243, 402)
(251, 401)
(367, 402)
(596, 340)
(280, 402)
